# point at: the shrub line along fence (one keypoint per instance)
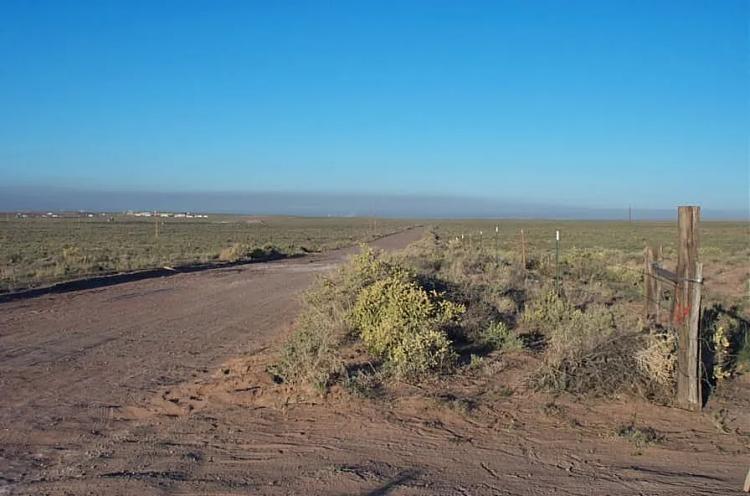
(684, 313)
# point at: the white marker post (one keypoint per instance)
(557, 260)
(497, 246)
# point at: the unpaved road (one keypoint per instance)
(68, 360)
(144, 388)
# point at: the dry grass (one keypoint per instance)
(38, 251)
(585, 332)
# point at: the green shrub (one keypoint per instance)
(310, 356)
(476, 362)
(366, 268)
(499, 337)
(243, 251)
(730, 340)
(268, 251)
(627, 276)
(547, 310)
(235, 252)
(586, 354)
(365, 383)
(478, 316)
(579, 333)
(639, 436)
(422, 352)
(401, 322)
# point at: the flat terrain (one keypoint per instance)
(38, 250)
(157, 387)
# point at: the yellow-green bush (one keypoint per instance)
(578, 333)
(310, 356)
(366, 268)
(602, 266)
(499, 337)
(424, 351)
(397, 319)
(624, 274)
(403, 323)
(730, 335)
(547, 310)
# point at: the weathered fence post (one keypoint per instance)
(523, 251)
(686, 310)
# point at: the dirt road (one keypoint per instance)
(147, 388)
(68, 361)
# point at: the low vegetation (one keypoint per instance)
(36, 251)
(242, 251)
(639, 436)
(445, 308)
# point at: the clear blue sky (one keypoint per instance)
(593, 104)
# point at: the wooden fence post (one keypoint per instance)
(686, 310)
(523, 251)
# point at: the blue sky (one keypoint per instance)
(588, 104)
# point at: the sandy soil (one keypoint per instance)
(158, 387)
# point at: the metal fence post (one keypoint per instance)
(557, 261)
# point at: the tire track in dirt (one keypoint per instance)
(173, 400)
(66, 357)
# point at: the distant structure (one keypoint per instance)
(59, 215)
(178, 215)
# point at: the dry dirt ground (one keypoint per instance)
(158, 387)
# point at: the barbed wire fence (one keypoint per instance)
(672, 301)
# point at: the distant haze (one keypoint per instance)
(418, 108)
(323, 204)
